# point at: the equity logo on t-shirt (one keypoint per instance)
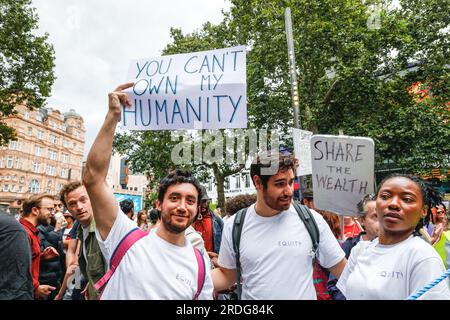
(391, 274)
(184, 279)
(289, 243)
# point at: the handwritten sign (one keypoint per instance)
(342, 172)
(204, 90)
(302, 151)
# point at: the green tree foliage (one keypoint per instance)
(26, 62)
(356, 62)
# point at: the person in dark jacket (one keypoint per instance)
(16, 282)
(210, 226)
(52, 271)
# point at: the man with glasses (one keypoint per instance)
(51, 271)
(38, 210)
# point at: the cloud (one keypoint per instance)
(95, 40)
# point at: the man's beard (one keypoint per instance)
(172, 228)
(43, 221)
(273, 203)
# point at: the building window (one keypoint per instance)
(14, 177)
(39, 117)
(12, 145)
(13, 186)
(51, 171)
(5, 187)
(30, 131)
(64, 157)
(20, 189)
(66, 143)
(64, 173)
(227, 183)
(53, 139)
(34, 186)
(36, 167)
(19, 145)
(247, 180)
(40, 134)
(22, 179)
(237, 181)
(7, 177)
(18, 163)
(59, 187)
(38, 151)
(2, 164)
(1, 177)
(10, 161)
(52, 154)
(26, 115)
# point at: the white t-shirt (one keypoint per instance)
(393, 272)
(276, 260)
(152, 268)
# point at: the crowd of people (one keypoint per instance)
(264, 246)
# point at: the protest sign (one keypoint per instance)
(200, 90)
(342, 172)
(302, 151)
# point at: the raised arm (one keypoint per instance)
(102, 199)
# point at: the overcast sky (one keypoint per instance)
(94, 41)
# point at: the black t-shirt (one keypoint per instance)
(16, 282)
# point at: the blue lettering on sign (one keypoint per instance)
(164, 111)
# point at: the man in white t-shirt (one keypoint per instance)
(167, 254)
(275, 246)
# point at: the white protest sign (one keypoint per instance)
(342, 172)
(188, 91)
(302, 151)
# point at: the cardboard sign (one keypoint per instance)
(200, 90)
(302, 150)
(342, 172)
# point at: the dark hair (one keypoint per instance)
(126, 205)
(139, 215)
(333, 222)
(239, 202)
(154, 215)
(68, 188)
(34, 202)
(362, 204)
(308, 194)
(175, 177)
(266, 159)
(430, 197)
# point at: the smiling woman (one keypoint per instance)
(399, 262)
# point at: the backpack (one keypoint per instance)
(304, 214)
(128, 240)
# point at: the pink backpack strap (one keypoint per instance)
(201, 272)
(127, 241)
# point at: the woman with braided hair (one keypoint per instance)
(399, 262)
